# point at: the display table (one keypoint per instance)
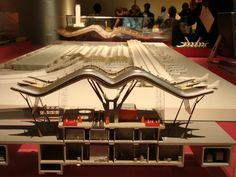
(65, 79)
(213, 146)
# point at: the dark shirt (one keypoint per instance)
(184, 14)
(148, 19)
(215, 6)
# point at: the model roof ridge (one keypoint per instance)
(102, 78)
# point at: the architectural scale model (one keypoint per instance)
(89, 103)
(114, 33)
(197, 44)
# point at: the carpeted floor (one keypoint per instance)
(10, 51)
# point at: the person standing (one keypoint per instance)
(214, 7)
(135, 17)
(169, 22)
(185, 12)
(162, 17)
(148, 16)
(92, 20)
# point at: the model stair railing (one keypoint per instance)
(34, 108)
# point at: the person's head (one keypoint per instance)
(193, 4)
(172, 12)
(125, 12)
(97, 8)
(135, 9)
(119, 11)
(185, 6)
(205, 3)
(147, 6)
(163, 9)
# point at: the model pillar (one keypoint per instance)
(48, 15)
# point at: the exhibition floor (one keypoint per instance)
(23, 158)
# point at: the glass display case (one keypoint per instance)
(105, 28)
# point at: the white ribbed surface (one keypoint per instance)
(154, 57)
(143, 57)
